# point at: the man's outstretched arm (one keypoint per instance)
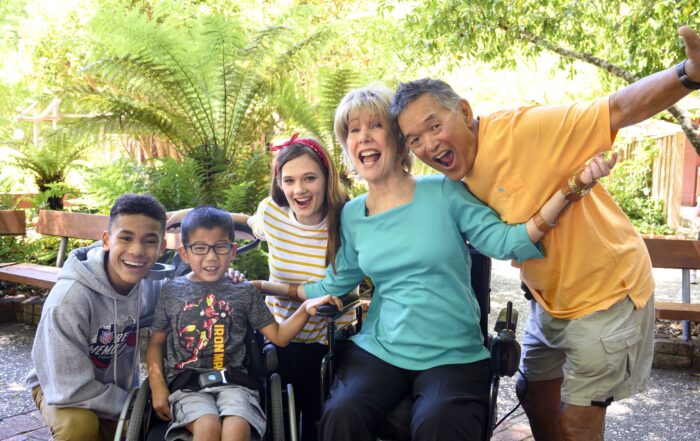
(650, 95)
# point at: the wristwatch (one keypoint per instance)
(683, 77)
(575, 189)
(542, 224)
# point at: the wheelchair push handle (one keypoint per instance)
(350, 302)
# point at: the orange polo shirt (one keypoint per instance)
(594, 257)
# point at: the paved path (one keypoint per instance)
(668, 410)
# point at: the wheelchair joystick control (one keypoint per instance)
(505, 350)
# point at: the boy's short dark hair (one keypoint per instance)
(144, 204)
(209, 217)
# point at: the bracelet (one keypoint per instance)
(683, 77)
(542, 224)
(575, 189)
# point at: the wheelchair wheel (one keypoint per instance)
(277, 418)
(292, 412)
(135, 430)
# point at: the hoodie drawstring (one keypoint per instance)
(114, 340)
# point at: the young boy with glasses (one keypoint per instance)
(201, 319)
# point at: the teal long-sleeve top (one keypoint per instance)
(423, 312)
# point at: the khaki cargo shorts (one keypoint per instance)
(602, 357)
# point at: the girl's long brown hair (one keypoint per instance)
(336, 194)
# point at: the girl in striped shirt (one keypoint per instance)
(300, 222)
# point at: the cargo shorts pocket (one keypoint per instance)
(617, 347)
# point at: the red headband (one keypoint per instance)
(313, 145)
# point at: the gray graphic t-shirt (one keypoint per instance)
(206, 323)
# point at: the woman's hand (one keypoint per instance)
(160, 401)
(235, 276)
(174, 219)
(597, 168)
(311, 305)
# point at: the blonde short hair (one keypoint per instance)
(374, 99)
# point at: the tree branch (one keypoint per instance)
(690, 129)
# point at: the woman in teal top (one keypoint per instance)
(416, 256)
(421, 334)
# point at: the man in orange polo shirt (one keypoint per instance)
(589, 337)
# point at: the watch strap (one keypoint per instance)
(541, 224)
(683, 77)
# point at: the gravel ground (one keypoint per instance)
(668, 410)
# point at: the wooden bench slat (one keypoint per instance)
(674, 253)
(76, 225)
(30, 274)
(12, 222)
(677, 311)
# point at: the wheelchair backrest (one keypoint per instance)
(481, 283)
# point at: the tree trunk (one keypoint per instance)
(690, 129)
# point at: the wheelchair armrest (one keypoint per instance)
(270, 356)
(350, 302)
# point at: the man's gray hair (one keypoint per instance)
(406, 93)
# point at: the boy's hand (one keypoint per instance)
(160, 402)
(311, 305)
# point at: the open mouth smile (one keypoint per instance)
(133, 265)
(304, 202)
(368, 157)
(446, 158)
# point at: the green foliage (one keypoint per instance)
(49, 163)
(175, 184)
(204, 85)
(644, 33)
(253, 264)
(247, 186)
(630, 186)
(34, 249)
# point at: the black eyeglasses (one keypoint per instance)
(203, 248)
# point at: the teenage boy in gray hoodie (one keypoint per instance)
(85, 351)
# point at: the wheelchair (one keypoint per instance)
(143, 424)
(504, 349)
(138, 420)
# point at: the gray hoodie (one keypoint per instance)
(74, 355)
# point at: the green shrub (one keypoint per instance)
(630, 186)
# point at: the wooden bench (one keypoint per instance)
(64, 225)
(13, 223)
(684, 255)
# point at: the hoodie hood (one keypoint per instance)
(87, 266)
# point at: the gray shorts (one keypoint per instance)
(223, 401)
(603, 356)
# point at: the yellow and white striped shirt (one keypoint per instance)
(297, 255)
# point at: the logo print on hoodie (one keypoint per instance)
(103, 344)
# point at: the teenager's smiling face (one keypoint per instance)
(134, 243)
(304, 187)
